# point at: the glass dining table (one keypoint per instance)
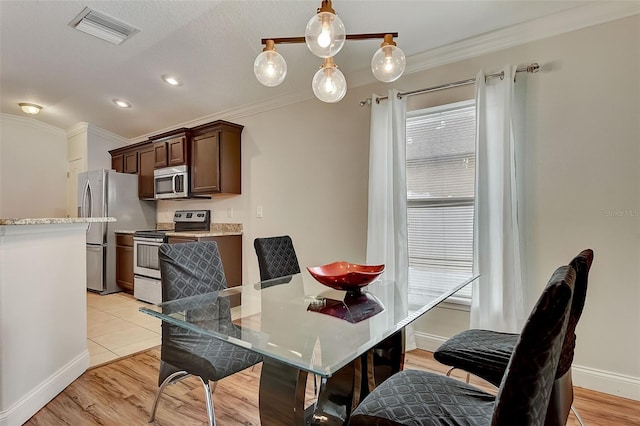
(351, 341)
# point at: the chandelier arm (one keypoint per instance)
(294, 40)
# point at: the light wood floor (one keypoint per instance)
(122, 392)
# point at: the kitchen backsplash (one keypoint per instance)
(215, 227)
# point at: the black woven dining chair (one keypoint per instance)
(191, 269)
(414, 398)
(276, 257)
(486, 353)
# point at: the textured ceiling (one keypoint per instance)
(210, 46)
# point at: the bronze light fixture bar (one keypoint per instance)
(294, 40)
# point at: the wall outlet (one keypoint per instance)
(259, 211)
(230, 212)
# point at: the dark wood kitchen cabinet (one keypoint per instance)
(146, 165)
(216, 158)
(171, 148)
(230, 248)
(126, 162)
(131, 162)
(124, 261)
(117, 163)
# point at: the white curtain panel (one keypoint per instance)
(498, 302)
(387, 222)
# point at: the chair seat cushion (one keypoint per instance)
(414, 397)
(483, 353)
(206, 357)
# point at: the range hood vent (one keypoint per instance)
(103, 26)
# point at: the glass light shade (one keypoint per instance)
(325, 34)
(329, 84)
(30, 108)
(270, 68)
(388, 63)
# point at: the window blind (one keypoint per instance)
(440, 195)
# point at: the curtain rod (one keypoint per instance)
(531, 68)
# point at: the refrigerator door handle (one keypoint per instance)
(83, 203)
(89, 198)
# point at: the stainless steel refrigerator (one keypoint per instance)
(106, 193)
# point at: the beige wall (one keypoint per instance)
(33, 168)
(306, 164)
(584, 185)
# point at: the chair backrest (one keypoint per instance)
(276, 257)
(525, 390)
(190, 269)
(581, 263)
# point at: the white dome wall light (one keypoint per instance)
(329, 84)
(270, 67)
(389, 62)
(325, 33)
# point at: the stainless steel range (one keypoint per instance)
(146, 243)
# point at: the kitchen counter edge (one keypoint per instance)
(54, 220)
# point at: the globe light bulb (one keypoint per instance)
(389, 62)
(270, 67)
(324, 39)
(329, 84)
(325, 34)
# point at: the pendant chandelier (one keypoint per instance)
(325, 35)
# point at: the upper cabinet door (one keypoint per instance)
(160, 154)
(131, 162)
(205, 163)
(145, 174)
(177, 151)
(216, 158)
(171, 148)
(117, 163)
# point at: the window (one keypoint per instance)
(440, 195)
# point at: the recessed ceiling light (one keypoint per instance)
(169, 79)
(30, 108)
(122, 103)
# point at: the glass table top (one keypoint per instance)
(300, 322)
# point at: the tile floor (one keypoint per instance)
(116, 328)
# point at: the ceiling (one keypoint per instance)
(210, 46)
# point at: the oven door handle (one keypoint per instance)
(173, 183)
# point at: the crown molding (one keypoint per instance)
(548, 26)
(89, 128)
(234, 114)
(31, 122)
(77, 129)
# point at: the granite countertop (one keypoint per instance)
(54, 220)
(217, 230)
(125, 231)
(201, 234)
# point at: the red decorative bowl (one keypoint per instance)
(346, 276)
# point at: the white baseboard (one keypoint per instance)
(584, 377)
(605, 381)
(428, 342)
(39, 396)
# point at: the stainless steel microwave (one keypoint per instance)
(171, 182)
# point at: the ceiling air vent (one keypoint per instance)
(102, 26)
